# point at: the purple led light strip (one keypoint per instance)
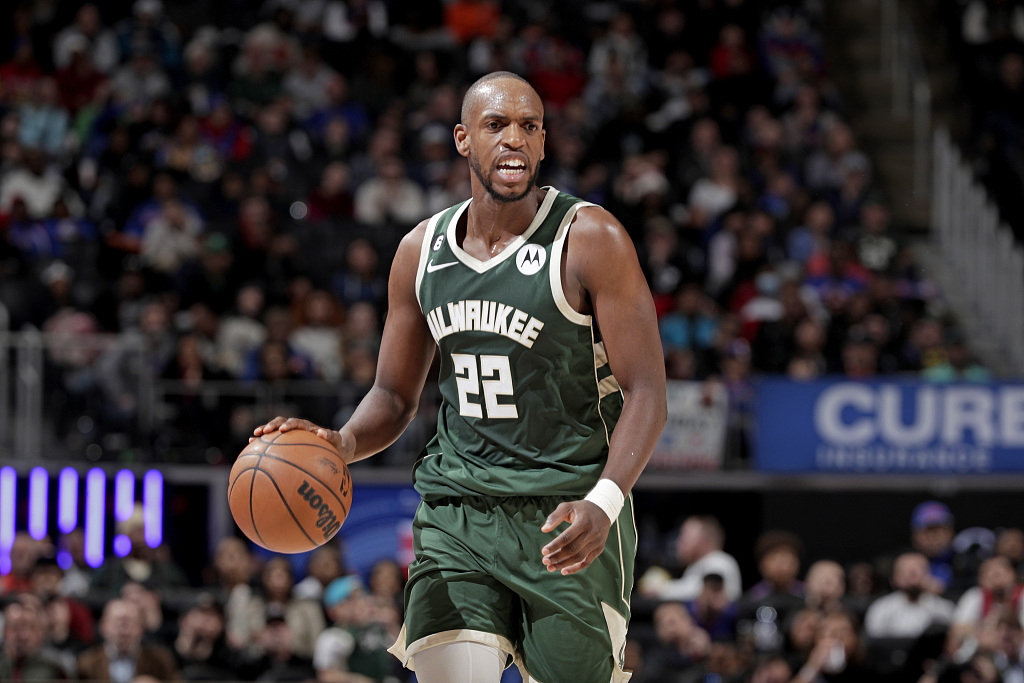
(67, 500)
(153, 507)
(8, 508)
(38, 493)
(95, 508)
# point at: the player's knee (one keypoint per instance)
(556, 670)
(464, 661)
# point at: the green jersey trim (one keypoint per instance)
(510, 249)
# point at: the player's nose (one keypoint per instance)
(514, 137)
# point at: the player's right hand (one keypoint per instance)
(286, 424)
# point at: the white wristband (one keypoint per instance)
(607, 495)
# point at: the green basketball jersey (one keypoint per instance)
(528, 401)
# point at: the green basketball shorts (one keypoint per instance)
(478, 576)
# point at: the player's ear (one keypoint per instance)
(543, 138)
(462, 139)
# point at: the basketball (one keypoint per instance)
(289, 491)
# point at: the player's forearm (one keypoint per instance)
(378, 421)
(644, 412)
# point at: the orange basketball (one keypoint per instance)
(289, 491)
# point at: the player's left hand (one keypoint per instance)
(577, 547)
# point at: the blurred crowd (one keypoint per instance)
(945, 608)
(137, 619)
(199, 201)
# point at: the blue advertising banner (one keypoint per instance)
(888, 427)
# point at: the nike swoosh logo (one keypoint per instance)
(431, 267)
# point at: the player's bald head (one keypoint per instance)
(487, 86)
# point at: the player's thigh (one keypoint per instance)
(574, 627)
(451, 595)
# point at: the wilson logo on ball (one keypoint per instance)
(326, 521)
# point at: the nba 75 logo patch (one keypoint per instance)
(530, 259)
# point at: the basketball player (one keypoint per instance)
(553, 396)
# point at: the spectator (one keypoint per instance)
(324, 566)
(36, 183)
(825, 586)
(142, 564)
(200, 645)
(800, 633)
(277, 660)
(20, 73)
(123, 655)
(71, 624)
(997, 594)
(788, 45)
(1009, 655)
(305, 617)
(680, 644)
(711, 196)
(23, 555)
(713, 611)
(699, 548)
(814, 236)
(120, 371)
(387, 581)
(149, 26)
(691, 325)
(960, 366)
(931, 533)
(141, 81)
(149, 603)
(876, 249)
(778, 561)
(354, 648)
(241, 329)
(88, 30)
(911, 609)
(338, 109)
(275, 359)
(23, 657)
(188, 154)
(83, 88)
(214, 278)
(360, 281)
(44, 121)
(171, 239)
(390, 197)
(838, 654)
(620, 50)
(1010, 544)
(331, 200)
(771, 669)
(307, 84)
(826, 166)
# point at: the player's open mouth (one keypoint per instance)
(512, 170)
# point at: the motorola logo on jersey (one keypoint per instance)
(437, 243)
(530, 259)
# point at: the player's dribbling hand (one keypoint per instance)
(577, 547)
(286, 424)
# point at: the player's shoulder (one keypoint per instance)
(595, 223)
(416, 236)
(413, 240)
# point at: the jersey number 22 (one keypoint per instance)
(495, 379)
